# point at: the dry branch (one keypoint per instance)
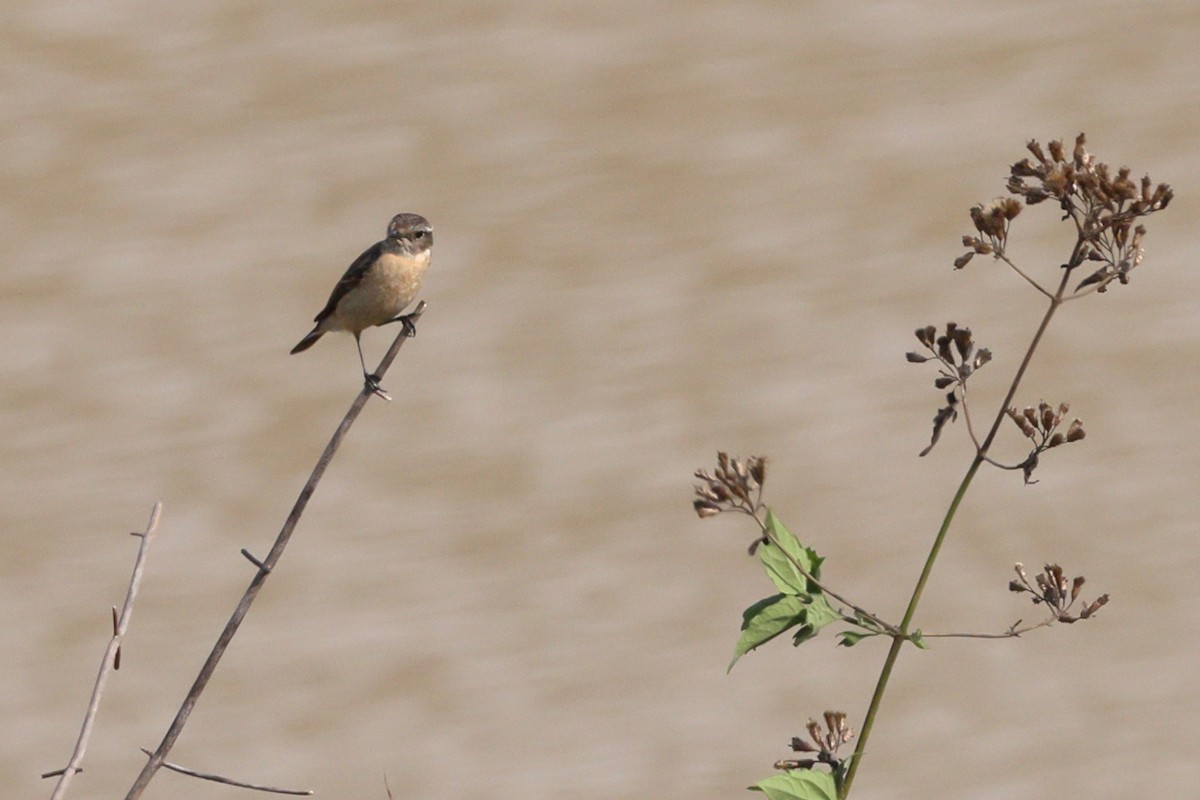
(208, 776)
(265, 567)
(112, 654)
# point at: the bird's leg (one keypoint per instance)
(372, 381)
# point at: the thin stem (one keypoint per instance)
(208, 776)
(264, 570)
(898, 641)
(1055, 302)
(899, 638)
(111, 654)
(1018, 270)
(1002, 465)
(1011, 633)
(966, 408)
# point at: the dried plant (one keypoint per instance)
(264, 567)
(1056, 592)
(824, 743)
(734, 486)
(1104, 208)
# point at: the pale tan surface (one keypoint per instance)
(662, 230)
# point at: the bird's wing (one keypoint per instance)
(354, 275)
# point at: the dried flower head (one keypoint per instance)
(955, 351)
(1103, 206)
(1052, 589)
(825, 743)
(735, 485)
(1040, 425)
(992, 221)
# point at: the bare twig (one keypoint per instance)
(1003, 257)
(1014, 632)
(208, 776)
(111, 658)
(267, 565)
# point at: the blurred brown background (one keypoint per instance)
(662, 229)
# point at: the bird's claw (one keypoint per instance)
(410, 327)
(372, 383)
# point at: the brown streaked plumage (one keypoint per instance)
(381, 283)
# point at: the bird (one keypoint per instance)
(380, 284)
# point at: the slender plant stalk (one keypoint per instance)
(208, 776)
(110, 661)
(1103, 204)
(264, 570)
(899, 638)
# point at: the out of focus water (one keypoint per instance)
(662, 229)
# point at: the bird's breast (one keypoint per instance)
(385, 290)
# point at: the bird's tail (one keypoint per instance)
(308, 341)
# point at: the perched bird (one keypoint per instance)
(377, 287)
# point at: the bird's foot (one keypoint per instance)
(372, 383)
(407, 320)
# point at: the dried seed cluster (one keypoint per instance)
(991, 220)
(1102, 205)
(955, 351)
(735, 486)
(1051, 587)
(825, 743)
(1040, 425)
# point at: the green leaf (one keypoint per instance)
(916, 638)
(773, 615)
(800, 604)
(780, 568)
(798, 784)
(863, 621)
(766, 619)
(851, 638)
(820, 613)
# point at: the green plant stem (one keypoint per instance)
(899, 638)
